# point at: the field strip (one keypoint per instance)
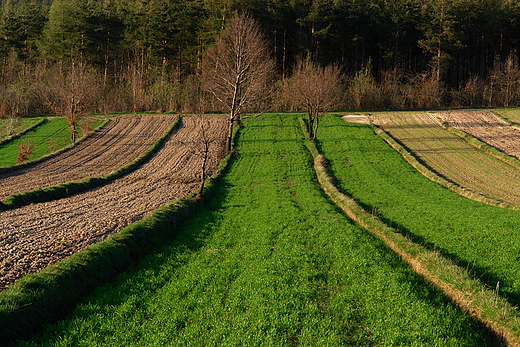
(34, 236)
(21, 132)
(453, 158)
(118, 143)
(487, 127)
(269, 261)
(454, 281)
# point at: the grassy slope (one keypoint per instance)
(481, 237)
(45, 139)
(55, 131)
(18, 125)
(269, 262)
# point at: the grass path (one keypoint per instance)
(269, 262)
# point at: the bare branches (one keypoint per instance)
(315, 89)
(236, 71)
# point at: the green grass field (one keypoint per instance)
(46, 138)
(14, 126)
(482, 238)
(510, 114)
(269, 262)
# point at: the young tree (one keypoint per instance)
(315, 89)
(237, 70)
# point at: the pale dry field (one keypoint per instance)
(453, 158)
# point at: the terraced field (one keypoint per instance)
(452, 157)
(118, 143)
(34, 236)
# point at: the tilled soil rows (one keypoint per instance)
(118, 143)
(487, 127)
(37, 235)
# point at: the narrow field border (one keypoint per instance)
(23, 132)
(434, 177)
(65, 189)
(42, 298)
(466, 292)
(6, 169)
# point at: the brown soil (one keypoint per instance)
(487, 127)
(118, 143)
(35, 236)
(452, 157)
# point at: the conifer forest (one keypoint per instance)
(145, 55)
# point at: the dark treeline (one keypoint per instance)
(118, 55)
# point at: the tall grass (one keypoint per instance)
(269, 262)
(482, 238)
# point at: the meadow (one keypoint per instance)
(49, 136)
(482, 238)
(14, 126)
(269, 262)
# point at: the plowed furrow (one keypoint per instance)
(35, 236)
(120, 142)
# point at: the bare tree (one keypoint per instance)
(316, 90)
(72, 92)
(237, 70)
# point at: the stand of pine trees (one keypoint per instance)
(136, 55)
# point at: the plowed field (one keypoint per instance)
(35, 236)
(487, 127)
(118, 143)
(452, 157)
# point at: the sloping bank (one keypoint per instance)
(69, 188)
(47, 296)
(455, 282)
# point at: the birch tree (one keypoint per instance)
(237, 70)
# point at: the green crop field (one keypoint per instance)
(14, 126)
(46, 138)
(482, 238)
(511, 115)
(269, 262)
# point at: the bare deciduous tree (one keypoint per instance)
(237, 70)
(73, 91)
(316, 90)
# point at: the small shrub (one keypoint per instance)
(24, 151)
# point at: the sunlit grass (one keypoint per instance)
(479, 237)
(46, 138)
(269, 262)
(14, 126)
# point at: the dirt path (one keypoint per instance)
(118, 143)
(35, 236)
(487, 127)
